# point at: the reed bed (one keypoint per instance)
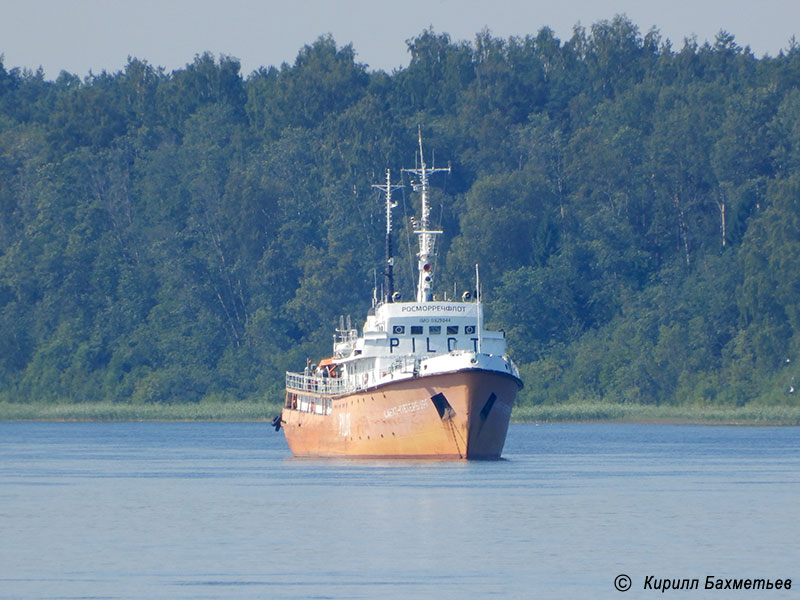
(213, 411)
(254, 411)
(639, 413)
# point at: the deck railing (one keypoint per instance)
(327, 386)
(337, 386)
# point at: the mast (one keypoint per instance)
(480, 308)
(388, 275)
(427, 237)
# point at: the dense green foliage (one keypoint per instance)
(188, 236)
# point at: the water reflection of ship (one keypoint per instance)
(425, 379)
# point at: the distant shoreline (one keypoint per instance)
(640, 413)
(250, 411)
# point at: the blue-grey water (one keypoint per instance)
(221, 510)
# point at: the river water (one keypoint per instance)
(221, 510)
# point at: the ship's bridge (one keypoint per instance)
(427, 328)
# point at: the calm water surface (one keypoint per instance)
(221, 510)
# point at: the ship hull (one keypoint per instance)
(458, 415)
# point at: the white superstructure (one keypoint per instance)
(402, 340)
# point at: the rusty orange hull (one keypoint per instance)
(461, 415)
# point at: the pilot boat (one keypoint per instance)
(422, 379)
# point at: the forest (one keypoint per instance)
(186, 237)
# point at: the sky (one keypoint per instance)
(83, 36)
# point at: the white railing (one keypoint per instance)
(344, 341)
(345, 336)
(337, 386)
(328, 386)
